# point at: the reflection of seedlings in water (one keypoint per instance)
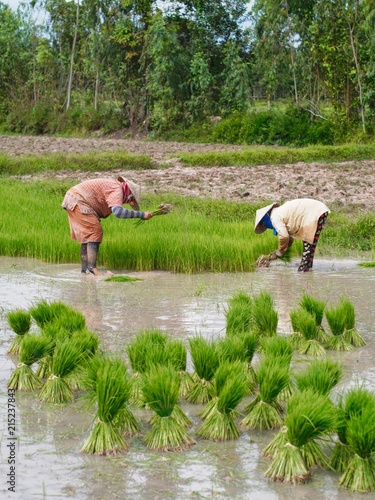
(122, 279)
(109, 389)
(33, 348)
(205, 361)
(160, 392)
(230, 387)
(20, 323)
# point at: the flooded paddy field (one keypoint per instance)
(49, 461)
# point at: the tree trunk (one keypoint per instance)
(70, 81)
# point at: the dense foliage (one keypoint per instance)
(68, 67)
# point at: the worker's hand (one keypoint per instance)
(273, 256)
(263, 261)
(147, 216)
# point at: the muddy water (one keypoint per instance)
(49, 462)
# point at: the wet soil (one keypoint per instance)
(345, 183)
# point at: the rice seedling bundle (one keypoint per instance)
(307, 342)
(265, 316)
(264, 412)
(160, 392)
(54, 332)
(315, 307)
(360, 472)
(238, 315)
(205, 359)
(219, 424)
(309, 416)
(88, 343)
(163, 209)
(321, 375)
(67, 356)
(350, 333)
(351, 404)
(280, 348)
(20, 323)
(110, 389)
(45, 312)
(176, 355)
(336, 318)
(32, 349)
(122, 279)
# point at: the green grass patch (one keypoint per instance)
(91, 162)
(122, 279)
(260, 155)
(198, 235)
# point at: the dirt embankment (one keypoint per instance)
(350, 183)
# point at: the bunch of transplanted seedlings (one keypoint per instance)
(265, 316)
(309, 416)
(305, 335)
(33, 348)
(230, 387)
(264, 412)
(350, 332)
(351, 404)
(108, 387)
(337, 320)
(161, 389)
(238, 315)
(204, 354)
(20, 322)
(316, 308)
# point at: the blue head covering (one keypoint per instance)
(267, 221)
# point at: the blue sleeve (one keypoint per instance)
(123, 213)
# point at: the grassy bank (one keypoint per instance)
(199, 235)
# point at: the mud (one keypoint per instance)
(49, 461)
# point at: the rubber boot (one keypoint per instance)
(92, 254)
(84, 264)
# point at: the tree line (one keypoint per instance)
(152, 65)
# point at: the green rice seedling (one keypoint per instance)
(205, 359)
(238, 315)
(240, 347)
(321, 375)
(264, 411)
(350, 404)
(163, 209)
(110, 389)
(72, 321)
(20, 323)
(350, 333)
(225, 371)
(265, 316)
(336, 318)
(176, 355)
(122, 279)
(276, 444)
(315, 307)
(280, 348)
(88, 343)
(220, 425)
(32, 349)
(309, 416)
(160, 392)
(45, 312)
(360, 472)
(67, 356)
(304, 323)
(54, 332)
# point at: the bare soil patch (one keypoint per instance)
(349, 183)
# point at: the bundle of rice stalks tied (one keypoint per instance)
(321, 375)
(360, 433)
(88, 343)
(110, 389)
(315, 307)
(350, 333)
(265, 316)
(205, 359)
(45, 312)
(225, 371)
(280, 348)
(160, 392)
(238, 314)
(264, 412)
(54, 332)
(336, 318)
(71, 321)
(309, 416)
(67, 356)
(20, 323)
(220, 425)
(276, 444)
(176, 355)
(304, 323)
(146, 344)
(163, 209)
(240, 348)
(351, 404)
(33, 348)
